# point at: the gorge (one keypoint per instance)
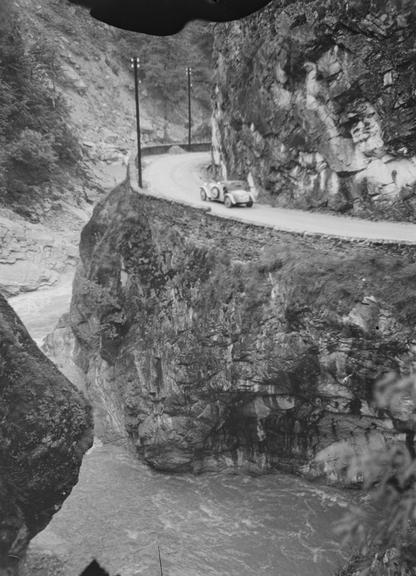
(173, 438)
(230, 357)
(216, 522)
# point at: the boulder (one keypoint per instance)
(45, 429)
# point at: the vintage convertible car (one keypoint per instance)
(230, 192)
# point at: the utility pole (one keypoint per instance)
(136, 65)
(189, 75)
(160, 561)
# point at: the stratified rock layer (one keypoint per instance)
(315, 101)
(32, 256)
(213, 343)
(45, 428)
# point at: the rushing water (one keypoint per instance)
(222, 525)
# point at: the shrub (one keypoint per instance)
(34, 152)
(385, 529)
(35, 136)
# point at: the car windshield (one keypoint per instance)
(235, 185)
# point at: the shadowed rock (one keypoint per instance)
(45, 429)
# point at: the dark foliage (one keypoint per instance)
(35, 139)
(165, 60)
(384, 528)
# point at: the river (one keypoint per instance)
(214, 524)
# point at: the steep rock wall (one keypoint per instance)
(243, 347)
(45, 429)
(33, 256)
(315, 100)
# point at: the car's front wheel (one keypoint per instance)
(228, 202)
(203, 195)
(250, 203)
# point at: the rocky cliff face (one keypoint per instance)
(254, 351)
(45, 429)
(33, 256)
(315, 100)
(82, 66)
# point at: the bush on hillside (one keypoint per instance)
(33, 152)
(35, 138)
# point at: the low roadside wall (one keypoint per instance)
(190, 213)
(155, 149)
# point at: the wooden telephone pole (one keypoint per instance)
(136, 65)
(189, 75)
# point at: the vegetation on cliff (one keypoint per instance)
(164, 61)
(382, 530)
(66, 94)
(37, 142)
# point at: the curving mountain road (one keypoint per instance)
(178, 177)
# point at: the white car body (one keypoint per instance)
(230, 192)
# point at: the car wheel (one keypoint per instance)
(203, 195)
(215, 192)
(228, 202)
(249, 203)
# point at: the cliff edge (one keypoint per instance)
(212, 343)
(45, 429)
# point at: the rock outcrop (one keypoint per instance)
(253, 349)
(45, 429)
(59, 346)
(33, 256)
(315, 101)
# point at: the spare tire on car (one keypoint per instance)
(215, 192)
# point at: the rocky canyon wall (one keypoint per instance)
(214, 344)
(32, 255)
(315, 100)
(45, 429)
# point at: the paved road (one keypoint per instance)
(178, 177)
